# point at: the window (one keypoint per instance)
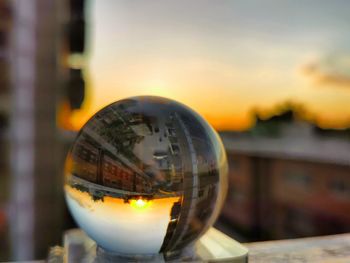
(340, 187)
(298, 178)
(171, 132)
(174, 148)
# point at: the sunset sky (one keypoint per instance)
(222, 58)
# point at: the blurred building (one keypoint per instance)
(5, 106)
(40, 74)
(293, 183)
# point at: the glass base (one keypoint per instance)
(187, 255)
(213, 246)
(103, 255)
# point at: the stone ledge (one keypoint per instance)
(327, 249)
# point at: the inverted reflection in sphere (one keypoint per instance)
(145, 175)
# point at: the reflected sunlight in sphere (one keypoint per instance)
(140, 204)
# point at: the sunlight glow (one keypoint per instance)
(140, 204)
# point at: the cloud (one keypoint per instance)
(330, 71)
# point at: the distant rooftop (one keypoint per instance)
(295, 140)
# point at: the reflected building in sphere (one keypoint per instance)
(156, 163)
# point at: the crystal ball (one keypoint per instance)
(145, 175)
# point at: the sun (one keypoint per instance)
(140, 204)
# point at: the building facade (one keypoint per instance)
(293, 185)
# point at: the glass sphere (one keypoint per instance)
(146, 175)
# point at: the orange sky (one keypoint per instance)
(221, 59)
(155, 206)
